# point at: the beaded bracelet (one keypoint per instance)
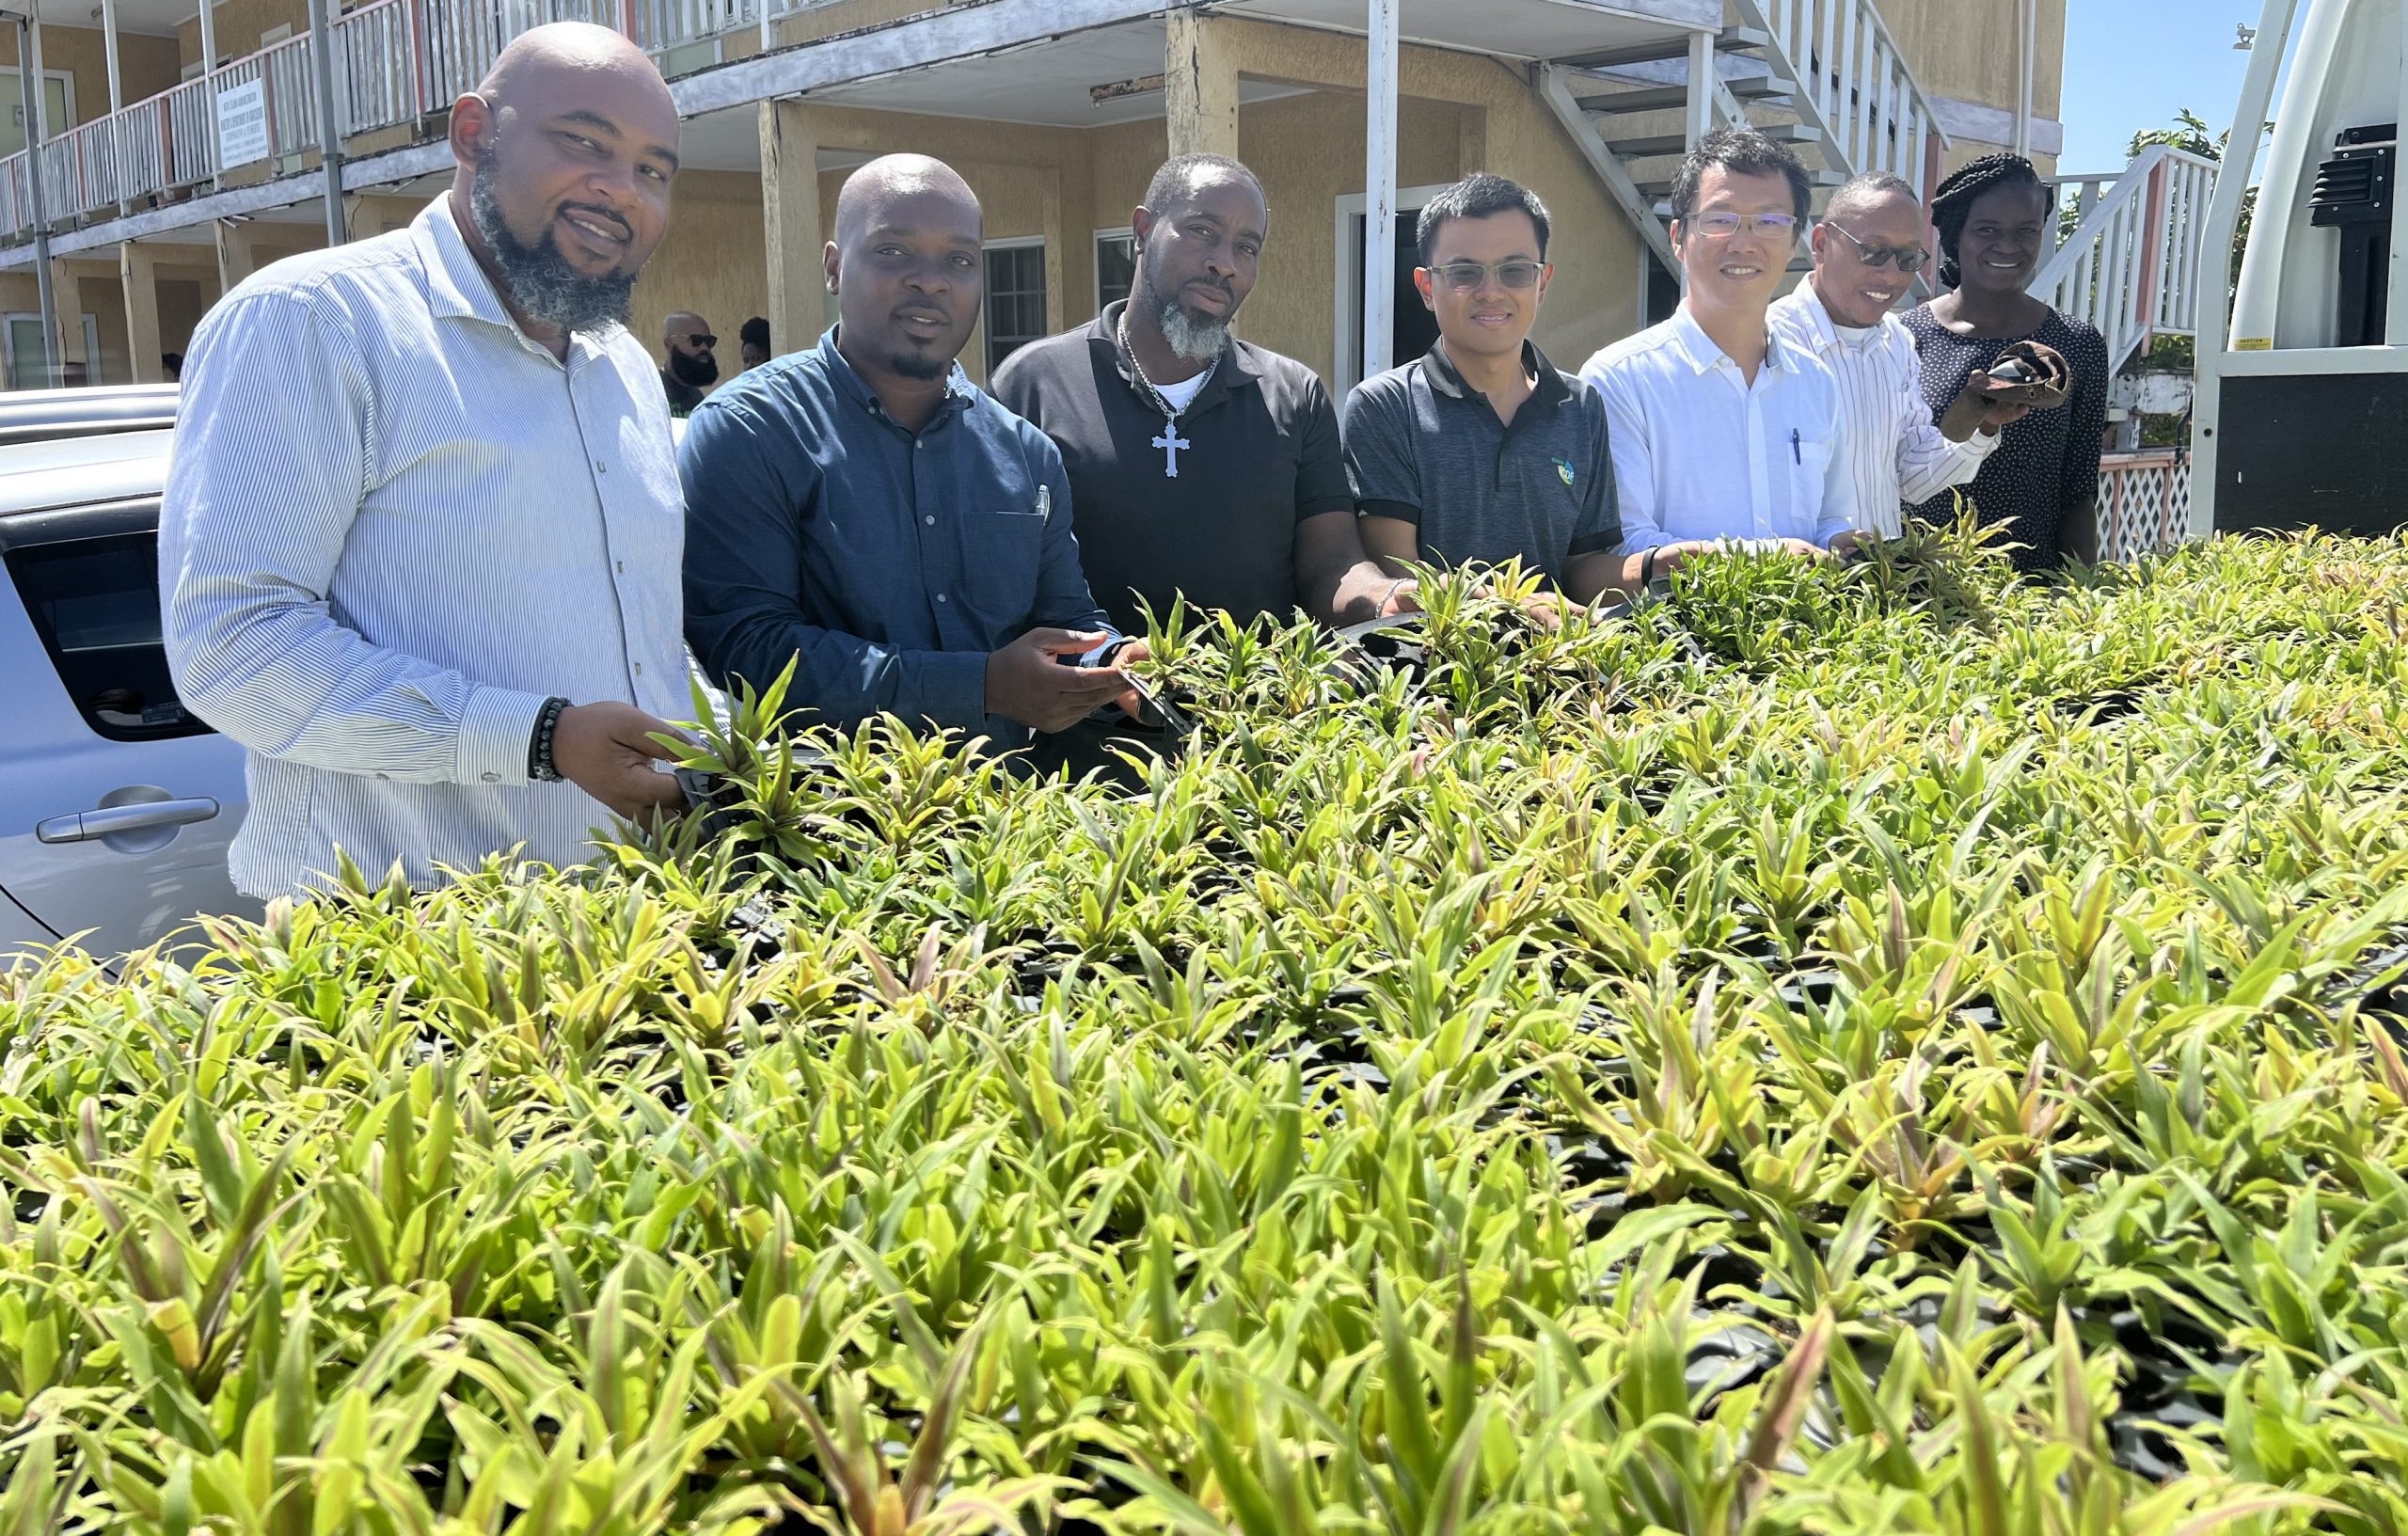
(539, 748)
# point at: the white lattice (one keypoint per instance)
(2144, 502)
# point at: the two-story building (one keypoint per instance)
(182, 148)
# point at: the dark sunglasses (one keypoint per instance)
(1910, 260)
(702, 340)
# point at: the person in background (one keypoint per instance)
(1199, 464)
(690, 366)
(171, 365)
(865, 513)
(754, 342)
(1992, 217)
(1722, 434)
(1481, 451)
(430, 582)
(1867, 249)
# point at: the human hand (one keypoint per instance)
(1848, 546)
(1132, 702)
(1029, 680)
(608, 750)
(1806, 550)
(1401, 596)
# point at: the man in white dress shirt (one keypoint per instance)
(432, 583)
(1867, 249)
(1721, 434)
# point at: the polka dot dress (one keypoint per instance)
(2049, 464)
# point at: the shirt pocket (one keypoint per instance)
(1002, 550)
(1810, 468)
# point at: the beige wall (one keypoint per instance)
(239, 24)
(1971, 50)
(146, 65)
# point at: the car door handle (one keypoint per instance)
(91, 826)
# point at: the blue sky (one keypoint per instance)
(2131, 64)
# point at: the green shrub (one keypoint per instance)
(1866, 1050)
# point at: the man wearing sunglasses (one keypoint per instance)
(692, 366)
(1723, 434)
(1481, 451)
(1868, 250)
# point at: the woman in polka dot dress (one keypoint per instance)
(1993, 221)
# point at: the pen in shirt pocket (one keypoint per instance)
(1796, 448)
(1044, 500)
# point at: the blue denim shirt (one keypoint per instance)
(884, 563)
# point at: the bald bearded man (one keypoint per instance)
(431, 583)
(863, 513)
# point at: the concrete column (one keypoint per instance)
(69, 289)
(1056, 231)
(1199, 85)
(795, 237)
(138, 275)
(1471, 140)
(236, 257)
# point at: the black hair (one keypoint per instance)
(1869, 186)
(1179, 174)
(1745, 152)
(754, 333)
(1951, 204)
(1479, 196)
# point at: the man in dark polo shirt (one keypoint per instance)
(1481, 451)
(1198, 465)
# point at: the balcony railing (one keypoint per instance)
(2131, 262)
(396, 62)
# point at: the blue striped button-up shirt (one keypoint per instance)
(394, 525)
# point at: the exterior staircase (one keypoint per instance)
(2131, 257)
(1822, 76)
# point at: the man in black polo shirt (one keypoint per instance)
(1199, 463)
(1481, 451)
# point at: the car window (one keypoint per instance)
(95, 603)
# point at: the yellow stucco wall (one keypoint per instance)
(239, 24)
(1969, 51)
(146, 65)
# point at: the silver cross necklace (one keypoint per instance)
(1170, 442)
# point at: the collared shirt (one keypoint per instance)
(394, 525)
(882, 564)
(1700, 453)
(1895, 451)
(1425, 448)
(1259, 454)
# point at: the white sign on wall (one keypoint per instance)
(242, 123)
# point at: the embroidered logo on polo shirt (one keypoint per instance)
(1563, 469)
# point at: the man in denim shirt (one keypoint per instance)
(863, 510)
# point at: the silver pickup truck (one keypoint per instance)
(116, 805)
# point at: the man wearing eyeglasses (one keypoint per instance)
(1723, 434)
(1868, 250)
(692, 367)
(1481, 451)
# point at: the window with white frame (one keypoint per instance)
(1116, 265)
(1015, 297)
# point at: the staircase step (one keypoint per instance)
(1734, 40)
(1659, 144)
(1676, 98)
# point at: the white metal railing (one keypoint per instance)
(2131, 258)
(396, 62)
(1853, 85)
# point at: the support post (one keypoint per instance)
(116, 102)
(1379, 190)
(791, 225)
(1703, 80)
(34, 93)
(1200, 86)
(208, 92)
(138, 275)
(322, 64)
(238, 254)
(69, 300)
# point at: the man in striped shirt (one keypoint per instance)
(1867, 249)
(430, 581)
